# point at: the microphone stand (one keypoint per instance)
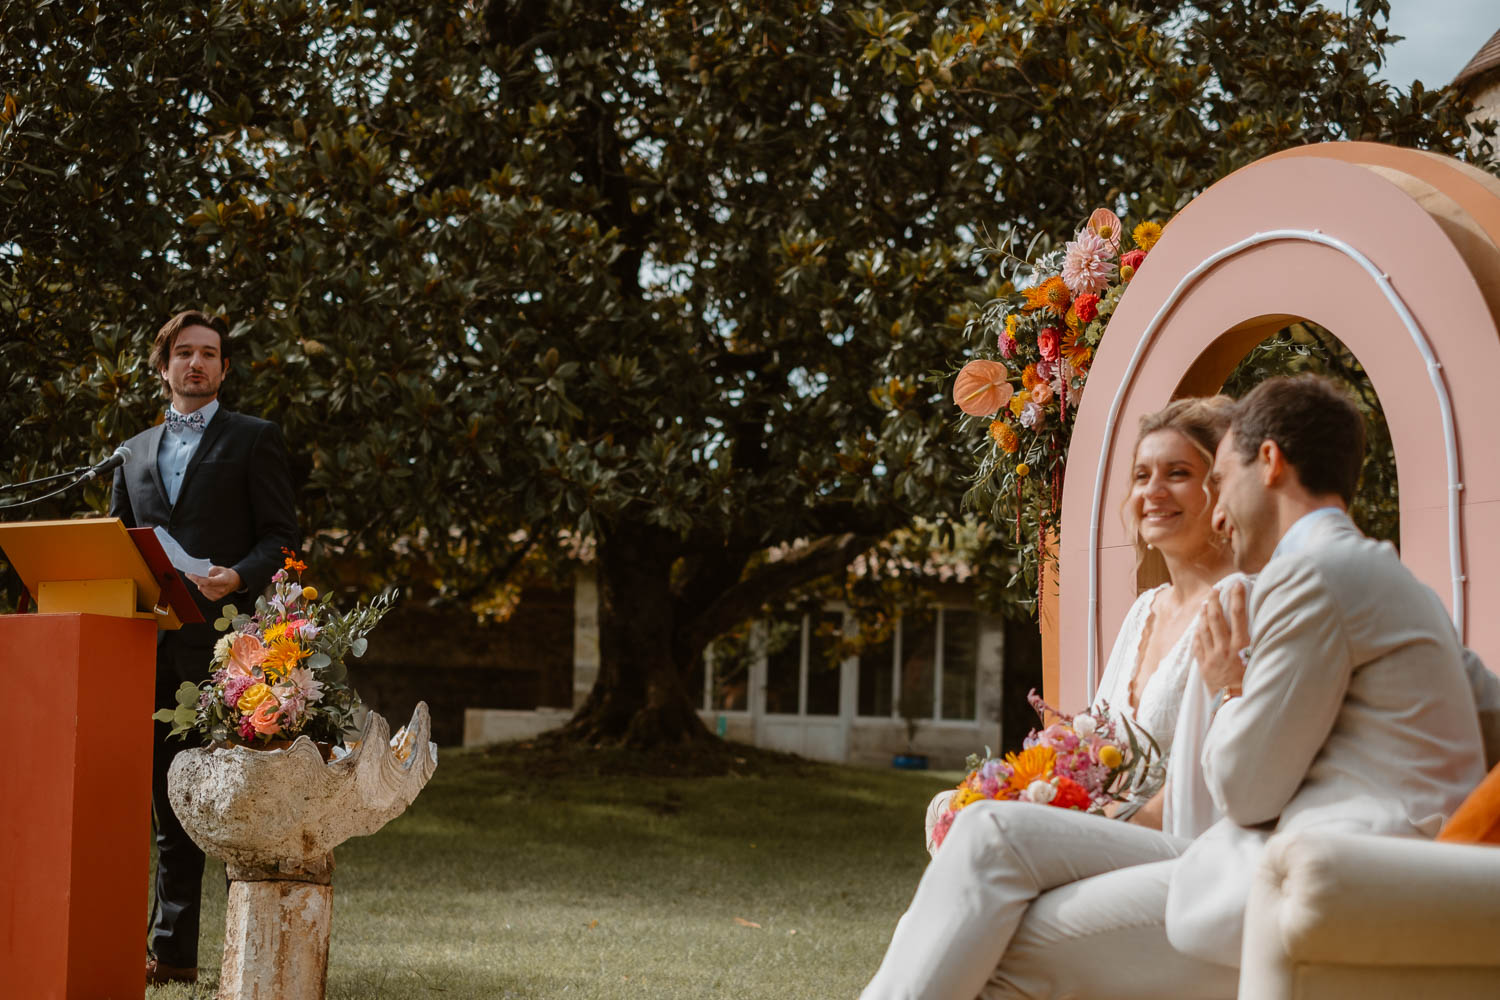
(81, 474)
(81, 470)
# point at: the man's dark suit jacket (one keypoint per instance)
(236, 509)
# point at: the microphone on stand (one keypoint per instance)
(120, 456)
(117, 458)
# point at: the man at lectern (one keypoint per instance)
(219, 483)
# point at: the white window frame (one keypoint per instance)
(897, 649)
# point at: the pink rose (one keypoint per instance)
(1049, 343)
(1007, 346)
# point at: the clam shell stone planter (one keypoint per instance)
(274, 817)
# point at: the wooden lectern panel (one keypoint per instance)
(74, 827)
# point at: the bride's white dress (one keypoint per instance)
(1188, 810)
(1173, 708)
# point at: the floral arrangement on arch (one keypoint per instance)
(1024, 385)
(1084, 762)
(279, 673)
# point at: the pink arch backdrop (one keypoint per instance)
(1395, 252)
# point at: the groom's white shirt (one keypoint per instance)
(1356, 715)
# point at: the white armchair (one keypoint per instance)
(1339, 915)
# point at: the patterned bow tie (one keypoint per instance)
(191, 422)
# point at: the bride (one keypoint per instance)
(1168, 513)
(975, 894)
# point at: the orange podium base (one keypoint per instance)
(76, 814)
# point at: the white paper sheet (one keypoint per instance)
(179, 557)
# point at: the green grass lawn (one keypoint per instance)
(514, 877)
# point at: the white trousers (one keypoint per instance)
(1030, 901)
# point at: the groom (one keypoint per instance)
(1355, 712)
(1342, 703)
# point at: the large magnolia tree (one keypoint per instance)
(668, 277)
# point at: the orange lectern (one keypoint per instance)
(78, 677)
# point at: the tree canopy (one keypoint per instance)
(671, 277)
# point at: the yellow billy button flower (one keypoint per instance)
(1110, 756)
(310, 593)
(253, 696)
(1023, 470)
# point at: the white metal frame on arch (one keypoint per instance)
(1434, 372)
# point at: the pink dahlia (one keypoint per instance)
(1087, 267)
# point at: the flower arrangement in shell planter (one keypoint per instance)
(1026, 380)
(279, 673)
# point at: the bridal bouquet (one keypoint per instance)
(1083, 762)
(1024, 383)
(279, 673)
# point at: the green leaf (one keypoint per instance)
(358, 646)
(187, 695)
(230, 611)
(318, 661)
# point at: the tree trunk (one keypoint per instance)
(638, 699)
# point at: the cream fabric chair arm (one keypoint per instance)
(1335, 915)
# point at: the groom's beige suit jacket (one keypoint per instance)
(1356, 715)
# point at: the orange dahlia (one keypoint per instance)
(1051, 294)
(1032, 764)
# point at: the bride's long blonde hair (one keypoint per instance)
(1203, 421)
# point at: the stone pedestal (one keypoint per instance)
(276, 941)
(275, 817)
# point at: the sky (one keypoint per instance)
(1441, 37)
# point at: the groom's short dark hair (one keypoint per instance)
(1314, 423)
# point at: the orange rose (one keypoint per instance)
(264, 717)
